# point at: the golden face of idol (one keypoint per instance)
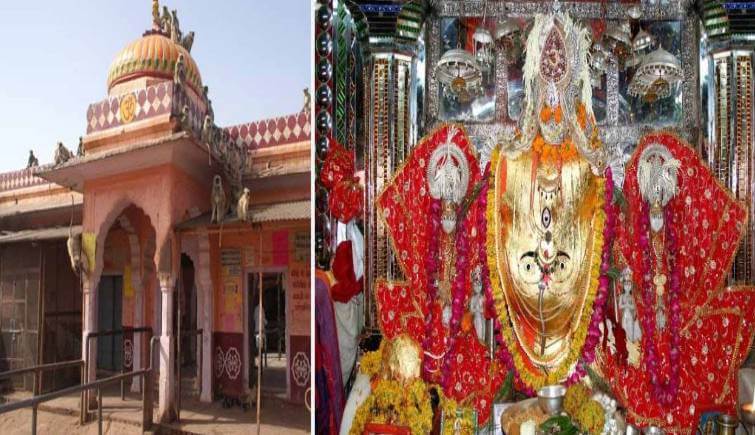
(544, 223)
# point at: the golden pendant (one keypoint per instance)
(660, 281)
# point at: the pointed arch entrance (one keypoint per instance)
(120, 291)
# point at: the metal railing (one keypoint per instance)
(84, 411)
(37, 370)
(198, 333)
(146, 377)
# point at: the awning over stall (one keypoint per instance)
(293, 210)
(37, 234)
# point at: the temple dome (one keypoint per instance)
(154, 55)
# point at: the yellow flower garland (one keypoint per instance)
(538, 380)
(591, 416)
(576, 396)
(371, 362)
(390, 403)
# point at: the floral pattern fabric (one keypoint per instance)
(716, 320)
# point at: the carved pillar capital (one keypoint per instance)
(167, 281)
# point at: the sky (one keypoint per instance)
(253, 54)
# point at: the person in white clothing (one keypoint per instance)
(259, 337)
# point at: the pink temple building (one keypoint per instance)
(138, 197)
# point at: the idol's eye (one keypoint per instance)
(529, 270)
(561, 267)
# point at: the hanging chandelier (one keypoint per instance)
(504, 36)
(598, 64)
(506, 29)
(619, 39)
(458, 70)
(641, 43)
(483, 43)
(659, 72)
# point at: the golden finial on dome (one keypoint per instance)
(155, 14)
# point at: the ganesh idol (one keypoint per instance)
(540, 228)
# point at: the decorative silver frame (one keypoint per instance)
(612, 132)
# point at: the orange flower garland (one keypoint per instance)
(547, 113)
(565, 151)
(556, 154)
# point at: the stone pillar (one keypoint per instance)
(205, 314)
(139, 338)
(166, 411)
(89, 324)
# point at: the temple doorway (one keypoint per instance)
(124, 294)
(109, 318)
(270, 349)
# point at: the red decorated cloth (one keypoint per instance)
(346, 286)
(405, 207)
(338, 165)
(469, 375)
(346, 200)
(716, 321)
(404, 307)
(397, 312)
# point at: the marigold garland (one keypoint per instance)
(591, 417)
(576, 396)
(558, 153)
(534, 380)
(370, 362)
(391, 403)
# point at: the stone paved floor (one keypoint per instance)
(60, 416)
